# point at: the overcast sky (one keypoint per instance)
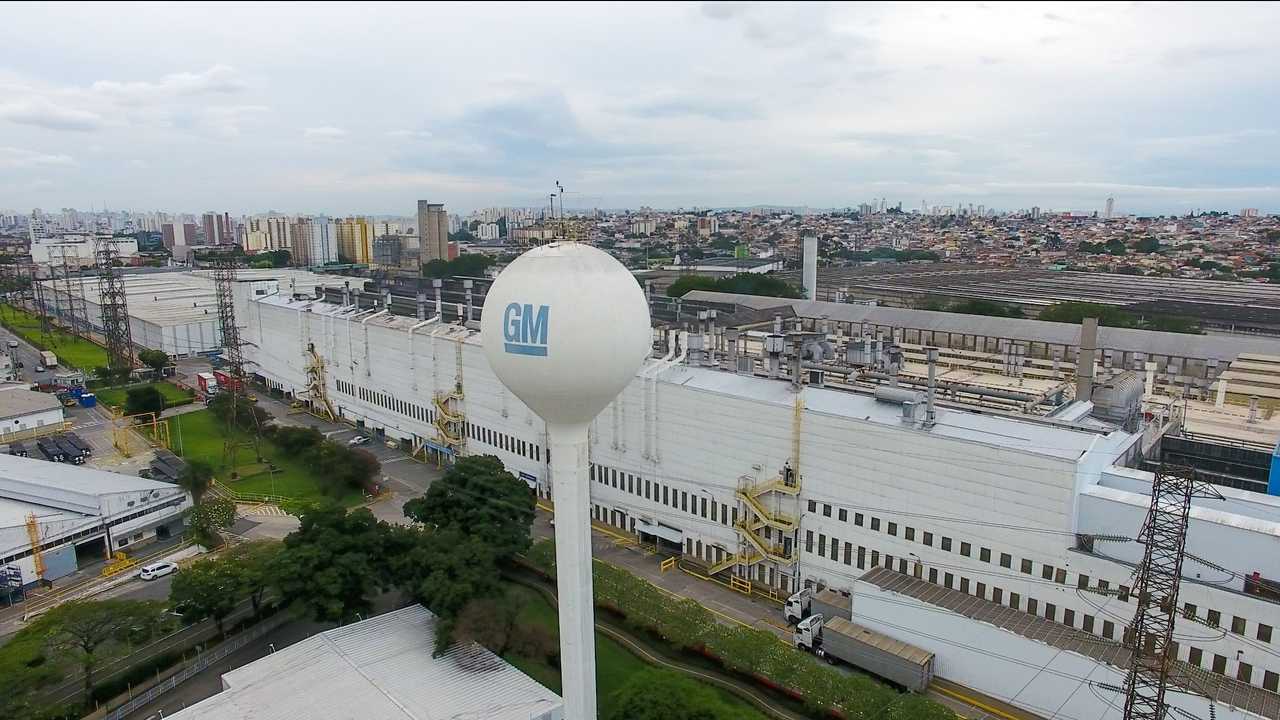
(351, 107)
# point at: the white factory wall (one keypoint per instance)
(1027, 673)
(40, 419)
(866, 486)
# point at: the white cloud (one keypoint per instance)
(217, 79)
(323, 133)
(420, 134)
(44, 113)
(12, 157)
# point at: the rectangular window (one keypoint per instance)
(843, 516)
(982, 590)
(848, 553)
(1264, 633)
(862, 557)
(946, 543)
(857, 519)
(813, 506)
(1270, 681)
(966, 549)
(964, 585)
(1214, 618)
(928, 538)
(933, 575)
(888, 561)
(1032, 605)
(826, 510)
(1087, 624)
(703, 506)
(1046, 572)
(822, 545)
(647, 485)
(835, 550)
(1219, 664)
(1050, 612)
(1124, 593)
(684, 501)
(1195, 656)
(875, 558)
(1237, 625)
(1244, 672)
(664, 495)
(808, 541)
(947, 579)
(902, 566)
(1015, 601)
(985, 555)
(1069, 617)
(997, 595)
(715, 506)
(875, 523)
(1082, 582)
(1108, 630)
(910, 533)
(1006, 560)
(1026, 566)
(893, 529)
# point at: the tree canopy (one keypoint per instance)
(196, 477)
(665, 695)
(207, 589)
(744, 283)
(91, 632)
(1112, 316)
(478, 496)
(143, 399)
(157, 360)
(335, 561)
(444, 570)
(471, 264)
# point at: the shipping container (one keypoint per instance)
(838, 639)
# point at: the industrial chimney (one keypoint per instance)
(811, 266)
(1084, 358)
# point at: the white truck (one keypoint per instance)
(48, 359)
(809, 601)
(838, 639)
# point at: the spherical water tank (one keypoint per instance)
(565, 327)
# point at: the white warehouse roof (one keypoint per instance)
(378, 668)
(76, 489)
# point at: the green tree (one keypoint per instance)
(207, 519)
(479, 497)
(25, 668)
(207, 589)
(490, 622)
(1147, 245)
(249, 417)
(665, 695)
(473, 264)
(157, 360)
(744, 283)
(91, 632)
(986, 307)
(196, 478)
(334, 562)
(256, 563)
(1075, 312)
(444, 569)
(295, 440)
(143, 399)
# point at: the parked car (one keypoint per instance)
(358, 440)
(39, 368)
(157, 570)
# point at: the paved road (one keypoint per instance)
(27, 355)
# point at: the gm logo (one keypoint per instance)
(525, 330)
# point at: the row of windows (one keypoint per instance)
(394, 404)
(45, 547)
(669, 496)
(506, 442)
(1239, 625)
(947, 544)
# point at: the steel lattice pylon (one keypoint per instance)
(1164, 535)
(224, 279)
(115, 308)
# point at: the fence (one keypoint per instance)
(202, 662)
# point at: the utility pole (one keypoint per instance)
(1164, 535)
(115, 310)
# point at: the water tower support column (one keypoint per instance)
(572, 495)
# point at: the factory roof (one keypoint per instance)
(75, 489)
(1221, 688)
(381, 668)
(14, 513)
(993, 429)
(18, 402)
(1220, 347)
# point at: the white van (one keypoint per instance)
(157, 570)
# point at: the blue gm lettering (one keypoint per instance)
(525, 329)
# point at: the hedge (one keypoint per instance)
(755, 653)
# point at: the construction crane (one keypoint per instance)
(1164, 535)
(37, 553)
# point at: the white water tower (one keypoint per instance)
(565, 327)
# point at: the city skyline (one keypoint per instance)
(714, 105)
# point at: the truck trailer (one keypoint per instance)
(48, 358)
(838, 639)
(826, 602)
(207, 384)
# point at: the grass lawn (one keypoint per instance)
(70, 349)
(614, 664)
(200, 435)
(173, 395)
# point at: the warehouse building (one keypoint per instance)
(56, 518)
(777, 474)
(384, 668)
(25, 413)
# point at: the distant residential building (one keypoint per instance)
(178, 234)
(218, 229)
(487, 231)
(37, 226)
(433, 231)
(644, 226)
(708, 226)
(1249, 212)
(315, 241)
(355, 240)
(1110, 210)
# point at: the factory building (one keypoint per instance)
(761, 453)
(55, 517)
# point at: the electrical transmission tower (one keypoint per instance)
(73, 312)
(115, 309)
(225, 267)
(1164, 534)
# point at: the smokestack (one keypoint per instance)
(811, 266)
(422, 305)
(438, 285)
(932, 355)
(1084, 358)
